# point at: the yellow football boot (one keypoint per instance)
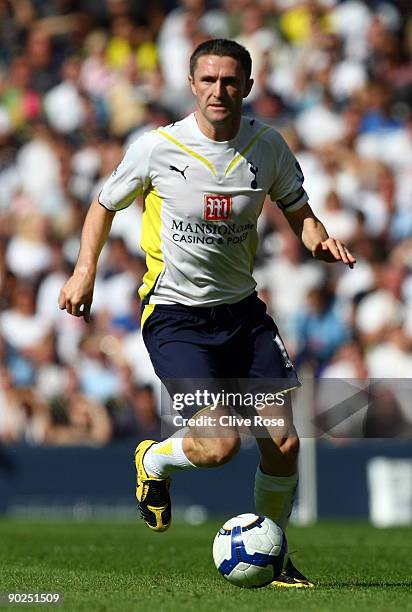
(291, 578)
(152, 493)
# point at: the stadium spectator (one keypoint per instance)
(44, 60)
(23, 329)
(319, 329)
(24, 415)
(347, 362)
(21, 101)
(381, 309)
(63, 103)
(288, 276)
(134, 410)
(83, 421)
(261, 43)
(385, 417)
(340, 221)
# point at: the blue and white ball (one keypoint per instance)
(249, 550)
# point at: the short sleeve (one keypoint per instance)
(287, 189)
(131, 177)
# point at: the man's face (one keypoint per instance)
(219, 85)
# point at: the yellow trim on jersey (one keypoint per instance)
(188, 150)
(151, 241)
(243, 152)
(147, 311)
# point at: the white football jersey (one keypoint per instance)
(202, 199)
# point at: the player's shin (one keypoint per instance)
(274, 496)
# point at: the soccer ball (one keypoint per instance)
(249, 550)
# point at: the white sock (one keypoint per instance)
(167, 456)
(274, 496)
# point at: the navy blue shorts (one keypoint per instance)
(230, 342)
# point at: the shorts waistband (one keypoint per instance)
(236, 307)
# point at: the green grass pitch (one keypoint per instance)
(100, 566)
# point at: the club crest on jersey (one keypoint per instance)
(217, 207)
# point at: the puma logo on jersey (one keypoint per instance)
(182, 172)
(254, 170)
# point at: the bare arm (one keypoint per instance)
(78, 290)
(314, 236)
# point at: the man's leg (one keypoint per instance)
(191, 448)
(185, 450)
(182, 347)
(270, 370)
(276, 477)
(276, 481)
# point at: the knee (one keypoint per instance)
(219, 451)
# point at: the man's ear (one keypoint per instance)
(248, 88)
(192, 84)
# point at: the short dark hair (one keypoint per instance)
(223, 47)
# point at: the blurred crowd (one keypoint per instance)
(79, 81)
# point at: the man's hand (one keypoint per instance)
(77, 295)
(332, 250)
(311, 231)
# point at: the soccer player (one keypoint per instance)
(204, 180)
